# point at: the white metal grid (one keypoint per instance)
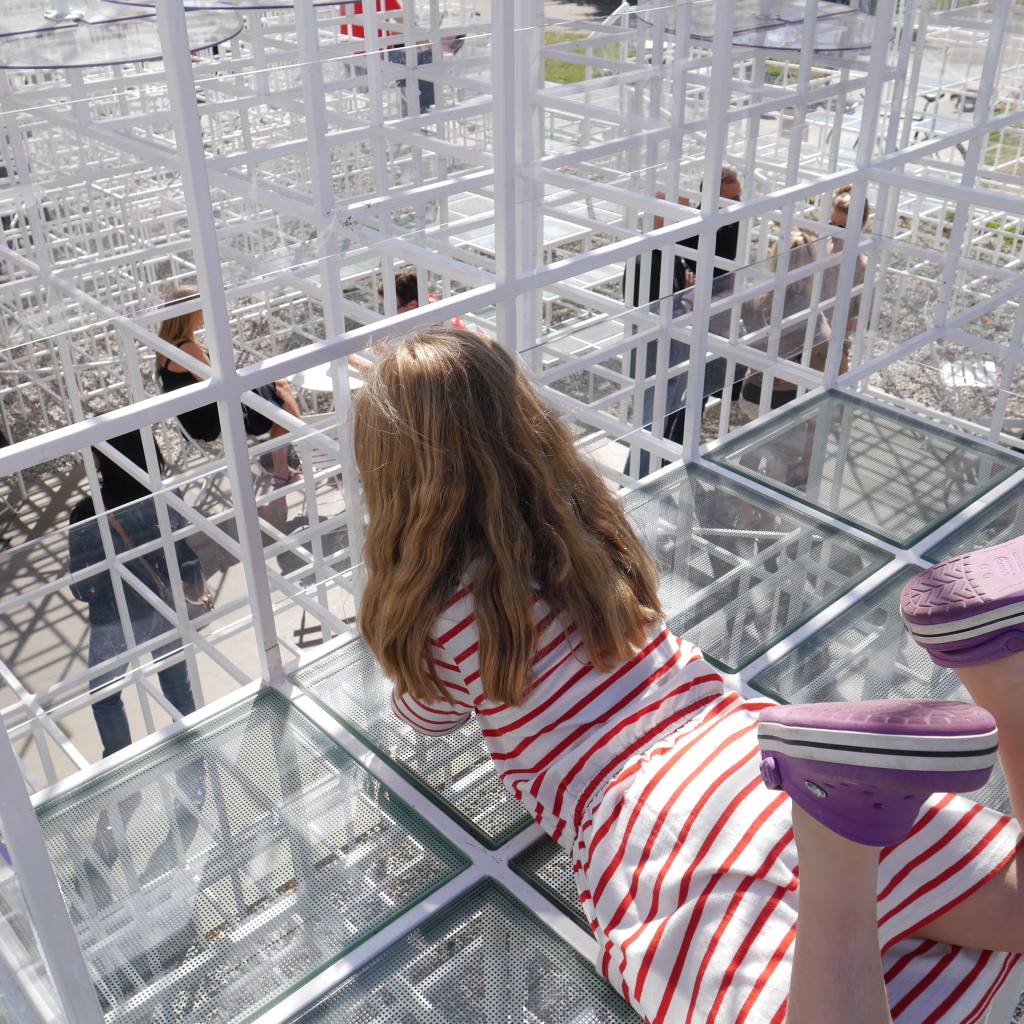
(290, 174)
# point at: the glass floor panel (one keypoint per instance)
(887, 473)
(455, 771)
(1003, 521)
(485, 959)
(222, 869)
(739, 570)
(867, 654)
(548, 868)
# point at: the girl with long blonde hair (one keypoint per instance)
(505, 582)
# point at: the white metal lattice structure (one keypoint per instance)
(290, 172)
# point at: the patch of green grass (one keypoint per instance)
(561, 72)
(1004, 151)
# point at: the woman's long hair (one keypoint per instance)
(460, 460)
(802, 253)
(179, 326)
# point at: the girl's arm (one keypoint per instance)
(430, 719)
(437, 719)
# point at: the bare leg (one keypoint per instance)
(998, 687)
(837, 965)
(993, 917)
(280, 455)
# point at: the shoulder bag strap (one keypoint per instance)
(161, 586)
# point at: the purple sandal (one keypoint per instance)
(863, 769)
(969, 610)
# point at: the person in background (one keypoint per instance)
(407, 296)
(390, 35)
(794, 338)
(684, 276)
(204, 423)
(838, 218)
(128, 507)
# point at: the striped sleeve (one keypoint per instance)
(429, 719)
(440, 718)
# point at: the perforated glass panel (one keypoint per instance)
(485, 959)
(22, 968)
(548, 867)
(740, 571)
(1002, 522)
(455, 771)
(891, 475)
(867, 654)
(227, 866)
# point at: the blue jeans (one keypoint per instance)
(678, 352)
(106, 640)
(424, 55)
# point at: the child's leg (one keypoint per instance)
(967, 614)
(837, 967)
(858, 773)
(998, 687)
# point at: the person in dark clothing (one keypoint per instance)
(727, 240)
(128, 506)
(204, 423)
(684, 272)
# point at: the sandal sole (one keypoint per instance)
(864, 770)
(969, 610)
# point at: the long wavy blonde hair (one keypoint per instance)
(801, 254)
(177, 325)
(461, 460)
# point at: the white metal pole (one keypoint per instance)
(54, 930)
(866, 150)
(202, 223)
(719, 96)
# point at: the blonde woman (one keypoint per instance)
(839, 216)
(204, 423)
(504, 581)
(794, 336)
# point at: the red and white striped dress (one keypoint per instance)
(684, 860)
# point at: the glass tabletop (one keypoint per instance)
(756, 14)
(892, 475)
(19, 18)
(234, 5)
(779, 25)
(121, 39)
(852, 31)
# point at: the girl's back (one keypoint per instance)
(577, 724)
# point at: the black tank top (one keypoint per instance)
(202, 423)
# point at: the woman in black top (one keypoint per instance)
(128, 505)
(203, 423)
